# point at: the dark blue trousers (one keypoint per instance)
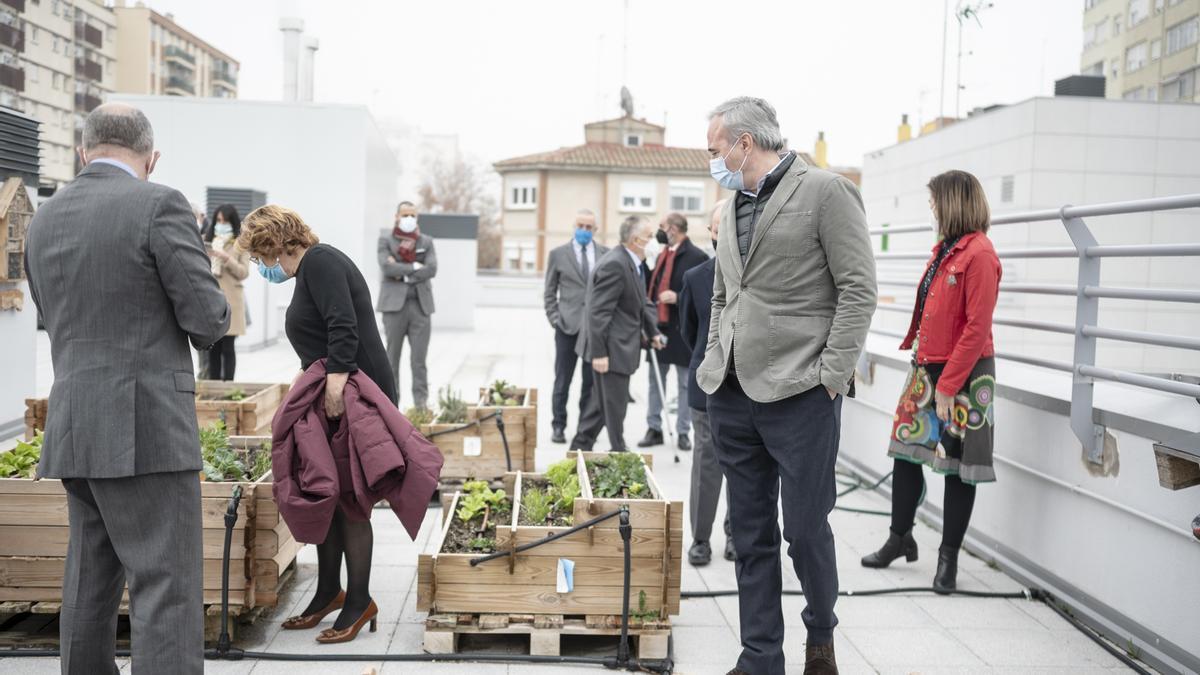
(786, 448)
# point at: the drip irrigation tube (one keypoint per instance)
(498, 415)
(1012, 595)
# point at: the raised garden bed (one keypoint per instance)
(526, 583)
(474, 449)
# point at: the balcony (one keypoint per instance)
(89, 34)
(88, 69)
(17, 5)
(12, 77)
(85, 103)
(224, 78)
(12, 37)
(177, 56)
(178, 85)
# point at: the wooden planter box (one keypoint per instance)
(526, 583)
(520, 425)
(34, 534)
(249, 417)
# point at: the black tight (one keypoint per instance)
(222, 359)
(908, 485)
(355, 540)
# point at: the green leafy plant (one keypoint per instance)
(453, 409)
(262, 462)
(237, 394)
(478, 499)
(483, 544)
(224, 464)
(537, 504)
(643, 613)
(419, 416)
(501, 393)
(22, 461)
(621, 474)
(559, 472)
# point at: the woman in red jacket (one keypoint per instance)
(946, 415)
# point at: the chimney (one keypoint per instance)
(291, 27)
(904, 133)
(819, 153)
(307, 58)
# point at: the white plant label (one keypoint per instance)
(472, 446)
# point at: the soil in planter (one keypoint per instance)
(620, 475)
(538, 496)
(473, 528)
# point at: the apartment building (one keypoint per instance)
(1146, 49)
(157, 56)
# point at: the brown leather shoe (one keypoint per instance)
(332, 636)
(819, 660)
(306, 621)
(737, 671)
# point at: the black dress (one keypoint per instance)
(332, 317)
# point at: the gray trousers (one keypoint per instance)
(144, 530)
(606, 409)
(683, 415)
(413, 323)
(707, 478)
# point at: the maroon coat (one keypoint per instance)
(372, 453)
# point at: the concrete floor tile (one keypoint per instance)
(457, 668)
(869, 612)
(902, 647)
(1032, 647)
(965, 612)
(392, 579)
(314, 667)
(700, 612)
(705, 646)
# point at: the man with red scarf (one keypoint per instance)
(663, 286)
(408, 262)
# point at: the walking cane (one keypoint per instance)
(662, 396)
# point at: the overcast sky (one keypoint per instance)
(512, 77)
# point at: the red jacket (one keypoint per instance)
(373, 453)
(957, 327)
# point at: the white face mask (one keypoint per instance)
(653, 248)
(223, 230)
(408, 224)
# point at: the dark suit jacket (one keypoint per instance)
(616, 314)
(687, 256)
(118, 271)
(695, 312)
(393, 290)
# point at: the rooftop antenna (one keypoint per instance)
(625, 46)
(963, 11)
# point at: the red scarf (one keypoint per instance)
(408, 244)
(661, 281)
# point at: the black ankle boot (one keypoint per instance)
(946, 579)
(893, 548)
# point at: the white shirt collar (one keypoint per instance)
(117, 163)
(637, 262)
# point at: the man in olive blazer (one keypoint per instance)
(118, 271)
(793, 298)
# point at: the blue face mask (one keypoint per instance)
(273, 274)
(223, 230)
(730, 180)
(583, 237)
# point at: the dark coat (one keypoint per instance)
(687, 256)
(372, 453)
(616, 314)
(695, 313)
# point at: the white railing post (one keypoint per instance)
(1087, 313)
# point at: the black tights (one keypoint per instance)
(908, 485)
(222, 359)
(356, 540)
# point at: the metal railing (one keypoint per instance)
(1087, 292)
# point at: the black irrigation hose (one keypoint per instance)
(554, 537)
(1013, 595)
(1129, 662)
(499, 416)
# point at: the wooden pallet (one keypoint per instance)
(545, 631)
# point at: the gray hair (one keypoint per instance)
(585, 212)
(749, 115)
(629, 227)
(118, 125)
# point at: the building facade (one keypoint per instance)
(622, 169)
(1146, 49)
(157, 56)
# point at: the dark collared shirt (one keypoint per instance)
(749, 208)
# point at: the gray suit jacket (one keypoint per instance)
(566, 289)
(398, 276)
(796, 314)
(616, 314)
(118, 272)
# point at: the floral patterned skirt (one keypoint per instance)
(961, 446)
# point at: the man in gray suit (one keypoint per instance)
(567, 273)
(117, 268)
(408, 262)
(617, 317)
(793, 297)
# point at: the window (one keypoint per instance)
(522, 194)
(1135, 57)
(1158, 6)
(57, 82)
(1183, 35)
(1096, 69)
(637, 196)
(1139, 11)
(1088, 4)
(32, 70)
(33, 34)
(1095, 33)
(633, 140)
(1006, 189)
(1114, 67)
(1136, 94)
(1155, 50)
(1180, 88)
(1116, 25)
(1151, 93)
(687, 196)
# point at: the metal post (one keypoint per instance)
(1087, 313)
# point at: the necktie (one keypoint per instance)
(583, 263)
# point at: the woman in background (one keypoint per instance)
(230, 265)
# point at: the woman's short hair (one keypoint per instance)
(960, 204)
(272, 230)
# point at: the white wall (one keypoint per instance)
(454, 286)
(328, 162)
(18, 358)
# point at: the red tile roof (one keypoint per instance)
(651, 158)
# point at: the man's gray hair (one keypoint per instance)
(749, 115)
(585, 212)
(629, 227)
(121, 126)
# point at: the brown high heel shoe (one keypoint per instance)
(330, 636)
(306, 621)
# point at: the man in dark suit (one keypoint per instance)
(408, 262)
(117, 269)
(695, 313)
(617, 317)
(663, 288)
(567, 273)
